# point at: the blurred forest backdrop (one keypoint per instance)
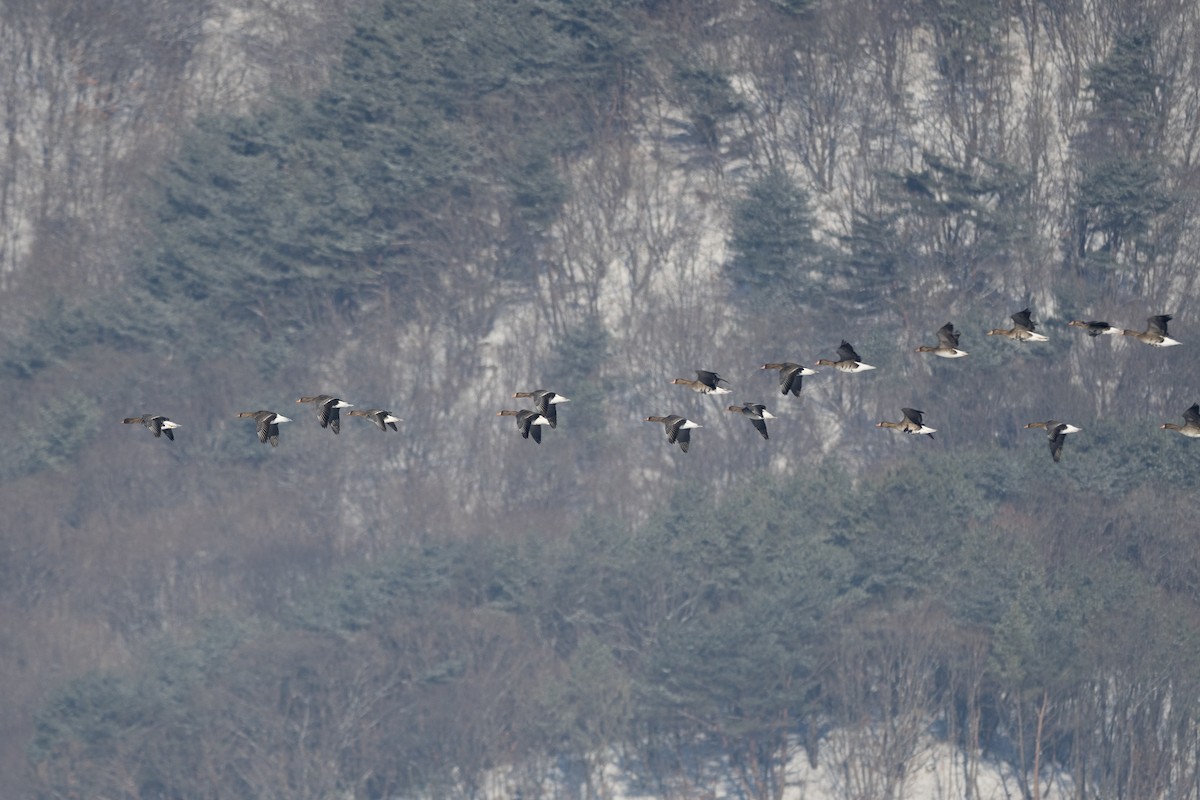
(210, 206)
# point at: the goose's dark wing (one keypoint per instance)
(541, 402)
(709, 379)
(1158, 324)
(524, 422)
(760, 425)
(675, 432)
(1057, 437)
(947, 336)
(1056, 434)
(335, 418)
(846, 352)
(1192, 415)
(914, 416)
(790, 379)
(683, 436)
(265, 429)
(326, 411)
(1021, 318)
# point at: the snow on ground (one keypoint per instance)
(938, 772)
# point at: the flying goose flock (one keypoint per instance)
(791, 375)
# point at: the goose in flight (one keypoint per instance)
(1056, 433)
(1022, 329)
(706, 383)
(757, 414)
(328, 410)
(848, 360)
(1191, 423)
(157, 423)
(679, 429)
(383, 419)
(947, 346)
(791, 376)
(1155, 334)
(529, 423)
(266, 424)
(913, 423)
(544, 402)
(1095, 328)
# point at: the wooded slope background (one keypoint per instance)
(210, 207)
